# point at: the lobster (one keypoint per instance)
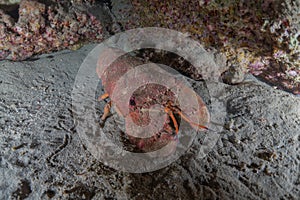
(138, 107)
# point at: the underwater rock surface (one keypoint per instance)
(42, 156)
(31, 27)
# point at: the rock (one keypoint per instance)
(233, 75)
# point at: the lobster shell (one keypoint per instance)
(144, 97)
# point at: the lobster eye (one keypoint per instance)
(132, 102)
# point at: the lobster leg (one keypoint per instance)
(103, 96)
(190, 122)
(106, 107)
(106, 111)
(170, 113)
(171, 108)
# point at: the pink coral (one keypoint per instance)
(41, 29)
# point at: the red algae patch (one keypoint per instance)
(45, 27)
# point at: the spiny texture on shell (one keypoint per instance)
(136, 111)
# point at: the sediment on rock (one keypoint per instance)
(32, 27)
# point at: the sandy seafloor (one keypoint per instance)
(42, 156)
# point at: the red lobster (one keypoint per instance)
(137, 109)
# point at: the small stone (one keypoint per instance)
(233, 75)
